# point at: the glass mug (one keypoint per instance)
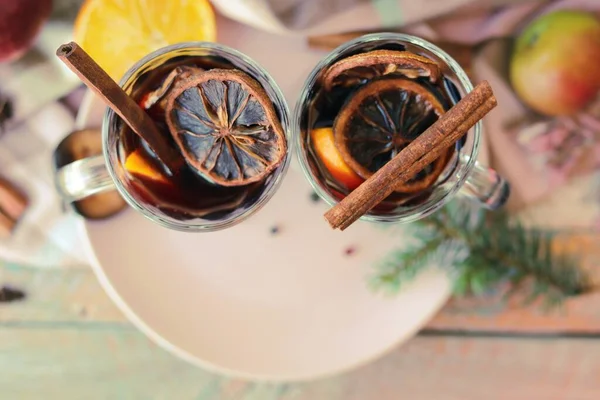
(97, 174)
(463, 175)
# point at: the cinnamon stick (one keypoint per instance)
(95, 78)
(13, 204)
(439, 150)
(431, 144)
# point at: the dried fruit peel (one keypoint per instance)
(384, 62)
(324, 146)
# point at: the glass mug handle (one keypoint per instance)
(485, 186)
(83, 178)
(88, 176)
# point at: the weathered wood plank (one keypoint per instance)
(119, 363)
(56, 295)
(579, 314)
(75, 363)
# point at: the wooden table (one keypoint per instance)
(66, 340)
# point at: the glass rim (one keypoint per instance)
(201, 226)
(464, 169)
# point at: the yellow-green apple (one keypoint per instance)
(555, 64)
(20, 23)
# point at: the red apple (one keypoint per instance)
(555, 65)
(20, 23)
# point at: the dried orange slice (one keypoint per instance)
(226, 127)
(118, 33)
(324, 145)
(361, 68)
(380, 120)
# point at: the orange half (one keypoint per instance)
(118, 33)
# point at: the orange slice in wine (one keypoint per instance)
(137, 164)
(324, 146)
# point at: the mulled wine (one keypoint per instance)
(226, 130)
(364, 108)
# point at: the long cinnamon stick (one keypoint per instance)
(119, 101)
(423, 162)
(422, 151)
(438, 151)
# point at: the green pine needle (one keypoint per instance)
(483, 250)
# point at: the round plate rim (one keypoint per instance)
(82, 121)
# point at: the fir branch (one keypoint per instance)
(483, 251)
(403, 265)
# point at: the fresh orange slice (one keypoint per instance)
(118, 33)
(324, 146)
(138, 165)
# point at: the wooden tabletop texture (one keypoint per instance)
(66, 340)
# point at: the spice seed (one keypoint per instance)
(350, 250)
(314, 197)
(9, 294)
